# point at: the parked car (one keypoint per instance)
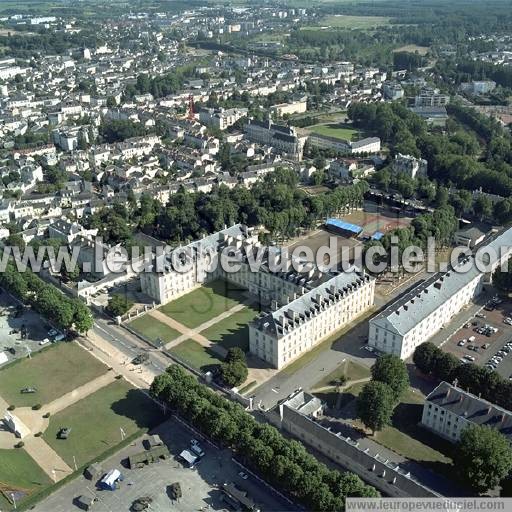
(461, 343)
(485, 346)
(480, 315)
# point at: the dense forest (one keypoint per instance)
(276, 203)
(474, 153)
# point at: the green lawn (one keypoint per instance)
(19, 470)
(53, 372)
(232, 331)
(350, 370)
(96, 421)
(406, 438)
(151, 328)
(337, 130)
(340, 400)
(204, 303)
(196, 355)
(350, 22)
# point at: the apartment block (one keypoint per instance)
(419, 314)
(448, 410)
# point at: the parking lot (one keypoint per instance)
(468, 344)
(21, 329)
(199, 485)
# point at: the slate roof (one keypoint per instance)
(425, 298)
(470, 407)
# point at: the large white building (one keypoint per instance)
(366, 145)
(282, 139)
(306, 307)
(422, 312)
(407, 164)
(282, 336)
(221, 118)
(448, 410)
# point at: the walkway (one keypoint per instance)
(49, 461)
(194, 334)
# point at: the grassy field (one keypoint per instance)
(196, 355)
(335, 130)
(153, 329)
(350, 370)
(204, 303)
(232, 331)
(19, 471)
(96, 421)
(351, 22)
(406, 438)
(413, 48)
(53, 372)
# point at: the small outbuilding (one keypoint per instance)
(93, 471)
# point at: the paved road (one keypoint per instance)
(348, 346)
(129, 344)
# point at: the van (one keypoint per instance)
(471, 339)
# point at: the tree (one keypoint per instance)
(82, 318)
(483, 457)
(15, 240)
(502, 279)
(391, 370)
(234, 373)
(483, 206)
(375, 405)
(118, 305)
(424, 356)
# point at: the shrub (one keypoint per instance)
(36, 407)
(21, 444)
(11, 407)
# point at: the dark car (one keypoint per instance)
(141, 358)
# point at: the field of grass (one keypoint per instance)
(232, 331)
(335, 130)
(204, 303)
(18, 469)
(406, 438)
(96, 421)
(351, 22)
(196, 355)
(53, 372)
(413, 48)
(151, 328)
(350, 370)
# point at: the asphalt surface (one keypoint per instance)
(200, 485)
(349, 346)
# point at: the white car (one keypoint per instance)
(44, 342)
(370, 349)
(461, 343)
(470, 358)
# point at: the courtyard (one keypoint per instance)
(73, 389)
(201, 326)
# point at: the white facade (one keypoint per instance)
(284, 335)
(415, 317)
(317, 304)
(412, 167)
(448, 410)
